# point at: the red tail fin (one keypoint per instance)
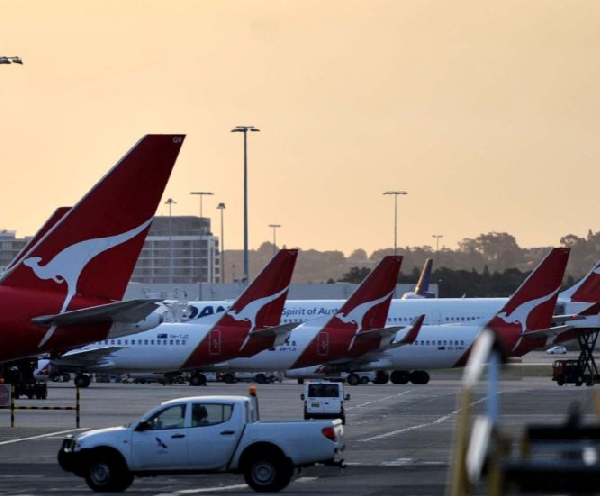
(259, 307)
(365, 310)
(587, 290)
(262, 302)
(530, 308)
(94, 247)
(58, 214)
(368, 306)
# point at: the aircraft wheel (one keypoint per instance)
(229, 379)
(82, 380)
(382, 378)
(353, 379)
(66, 377)
(260, 378)
(300, 381)
(364, 380)
(195, 380)
(419, 377)
(399, 377)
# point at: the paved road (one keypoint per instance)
(399, 438)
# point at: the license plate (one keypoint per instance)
(314, 405)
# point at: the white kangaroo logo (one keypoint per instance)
(357, 314)
(251, 309)
(519, 315)
(67, 265)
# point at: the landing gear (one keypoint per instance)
(419, 377)
(82, 380)
(198, 380)
(399, 377)
(229, 378)
(404, 377)
(353, 379)
(381, 377)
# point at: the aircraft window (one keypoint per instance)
(293, 343)
(428, 342)
(126, 341)
(171, 342)
(118, 341)
(446, 319)
(145, 341)
(183, 342)
(177, 342)
(462, 342)
(152, 342)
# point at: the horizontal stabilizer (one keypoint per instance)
(120, 311)
(280, 333)
(379, 333)
(411, 335)
(552, 332)
(89, 357)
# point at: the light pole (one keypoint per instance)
(437, 248)
(200, 195)
(274, 226)
(395, 193)
(245, 129)
(170, 202)
(11, 60)
(221, 207)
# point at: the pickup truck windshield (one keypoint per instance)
(323, 391)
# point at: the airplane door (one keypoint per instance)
(323, 343)
(214, 342)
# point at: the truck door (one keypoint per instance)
(214, 342)
(213, 434)
(165, 444)
(323, 343)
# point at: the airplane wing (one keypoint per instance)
(120, 311)
(281, 333)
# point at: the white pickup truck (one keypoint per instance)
(202, 434)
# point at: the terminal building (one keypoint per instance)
(179, 250)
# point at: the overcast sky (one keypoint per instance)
(487, 113)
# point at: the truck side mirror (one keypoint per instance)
(347, 398)
(302, 397)
(144, 425)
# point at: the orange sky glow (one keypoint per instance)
(487, 113)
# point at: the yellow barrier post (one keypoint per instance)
(77, 407)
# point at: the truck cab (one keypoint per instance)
(324, 400)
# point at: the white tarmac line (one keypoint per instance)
(41, 436)
(377, 401)
(419, 426)
(206, 490)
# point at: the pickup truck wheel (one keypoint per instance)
(106, 475)
(266, 474)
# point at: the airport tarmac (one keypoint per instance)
(398, 438)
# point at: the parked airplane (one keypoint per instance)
(64, 291)
(437, 311)
(523, 324)
(251, 325)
